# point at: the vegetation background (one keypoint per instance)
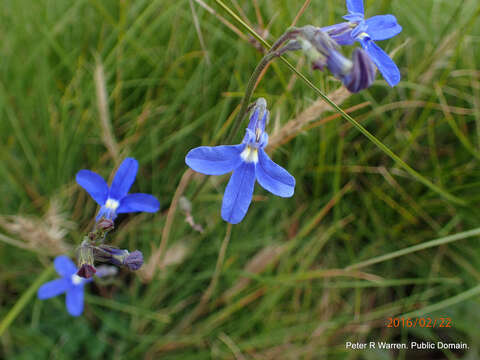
(85, 83)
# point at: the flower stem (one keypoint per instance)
(272, 53)
(24, 299)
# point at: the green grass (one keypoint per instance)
(348, 251)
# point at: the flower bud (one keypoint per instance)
(134, 261)
(85, 260)
(86, 271)
(119, 257)
(362, 73)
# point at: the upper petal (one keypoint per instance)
(273, 177)
(238, 193)
(341, 33)
(214, 160)
(124, 178)
(383, 62)
(382, 27)
(355, 6)
(94, 185)
(74, 300)
(53, 288)
(64, 266)
(138, 202)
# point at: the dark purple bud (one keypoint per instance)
(134, 261)
(86, 271)
(85, 259)
(362, 74)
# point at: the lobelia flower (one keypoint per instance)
(115, 199)
(366, 32)
(69, 283)
(249, 162)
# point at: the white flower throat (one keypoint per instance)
(249, 154)
(76, 280)
(112, 204)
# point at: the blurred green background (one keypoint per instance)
(85, 83)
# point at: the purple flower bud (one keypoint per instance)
(86, 271)
(134, 261)
(106, 253)
(119, 257)
(362, 74)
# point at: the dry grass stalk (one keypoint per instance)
(148, 270)
(222, 19)
(45, 235)
(174, 255)
(296, 125)
(199, 33)
(256, 265)
(102, 102)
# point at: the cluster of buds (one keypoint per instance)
(323, 52)
(92, 250)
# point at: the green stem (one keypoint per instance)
(24, 299)
(412, 249)
(273, 53)
(447, 303)
(248, 94)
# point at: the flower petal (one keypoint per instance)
(94, 185)
(64, 266)
(74, 300)
(138, 202)
(214, 160)
(355, 6)
(53, 288)
(382, 27)
(341, 33)
(238, 194)
(383, 62)
(273, 177)
(124, 178)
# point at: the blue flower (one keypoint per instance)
(366, 31)
(116, 200)
(249, 162)
(69, 283)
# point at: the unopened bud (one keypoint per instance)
(362, 74)
(86, 271)
(134, 261)
(119, 257)
(85, 260)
